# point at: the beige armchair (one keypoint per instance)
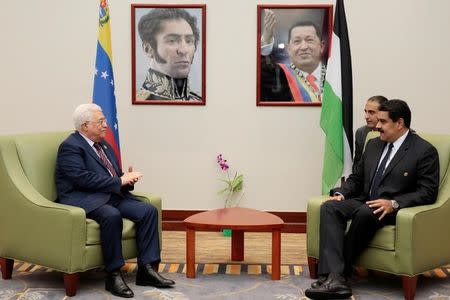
(35, 229)
(417, 243)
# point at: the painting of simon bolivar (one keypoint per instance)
(168, 52)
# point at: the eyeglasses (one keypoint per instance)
(99, 122)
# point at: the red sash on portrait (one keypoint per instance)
(301, 92)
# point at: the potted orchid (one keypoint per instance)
(234, 185)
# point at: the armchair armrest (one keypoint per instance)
(421, 241)
(155, 201)
(313, 225)
(30, 221)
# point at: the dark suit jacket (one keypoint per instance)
(360, 139)
(411, 178)
(81, 177)
(274, 84)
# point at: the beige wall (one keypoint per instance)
(400, 49)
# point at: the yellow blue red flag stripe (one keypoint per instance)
(104, 84)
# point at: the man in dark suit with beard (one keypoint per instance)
(398, 169)
(88, 176)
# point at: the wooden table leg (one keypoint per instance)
(276, 254)
(237, 245)
(190, 252)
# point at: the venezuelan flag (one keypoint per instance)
(104, 95)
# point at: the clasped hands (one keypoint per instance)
(382, 206)
(130, 177)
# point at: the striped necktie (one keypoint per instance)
(105, 159)
(377, 178)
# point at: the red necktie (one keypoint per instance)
(312, 81)
(105, 159)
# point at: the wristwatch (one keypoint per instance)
(395, 205)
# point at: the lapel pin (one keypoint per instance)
(405, 174)
(104, 146)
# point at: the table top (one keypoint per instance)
(237, 218)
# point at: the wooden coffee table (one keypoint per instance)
(238, 219)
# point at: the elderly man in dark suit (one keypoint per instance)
(88, 176)
(398, 169)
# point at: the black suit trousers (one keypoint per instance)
(109, 217)
(338, 250)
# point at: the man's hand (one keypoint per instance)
(335, 198)
(269, 27)
(130, 177)
(382, 206)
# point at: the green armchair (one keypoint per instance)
(35, 229)
(416, 244)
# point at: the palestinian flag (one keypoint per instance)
(337, 105)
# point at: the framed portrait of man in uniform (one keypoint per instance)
(293, 43)
(168, 54)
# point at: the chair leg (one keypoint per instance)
(409, 287)
(7, 267)
(313, 266)
(71, 283)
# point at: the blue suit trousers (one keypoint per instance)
(109, 217)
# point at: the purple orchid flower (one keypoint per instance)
(222, 162)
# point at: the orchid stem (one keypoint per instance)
(240, 198)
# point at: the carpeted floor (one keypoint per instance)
(215, 281)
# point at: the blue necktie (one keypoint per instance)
(377, 178)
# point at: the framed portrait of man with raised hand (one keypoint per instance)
(168, 54)
(293, 43)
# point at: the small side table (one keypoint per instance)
(239, 220)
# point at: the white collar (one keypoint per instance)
(90, 142)
(400, 140)
(317, 72)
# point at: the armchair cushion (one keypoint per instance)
(93, 231)
(384, 239)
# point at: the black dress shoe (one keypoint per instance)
(332, 288)
(147, 276)
(319, 281)
(116, 285)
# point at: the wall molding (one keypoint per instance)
(172, 220)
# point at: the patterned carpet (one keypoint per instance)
(230, 269)
(217, 281)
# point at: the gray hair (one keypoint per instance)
(83, 113)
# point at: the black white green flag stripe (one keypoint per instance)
(337, 105)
